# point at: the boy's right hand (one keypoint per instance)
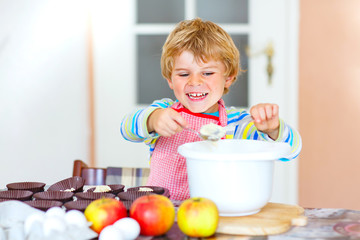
(165, 122)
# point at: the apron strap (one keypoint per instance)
(222, 112)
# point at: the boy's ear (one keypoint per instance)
(228, 81)
(170, 84)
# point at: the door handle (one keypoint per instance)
(269, 53)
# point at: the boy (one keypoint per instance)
(199, 62)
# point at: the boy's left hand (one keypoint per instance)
(266, 118)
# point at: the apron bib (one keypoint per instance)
(167, 166)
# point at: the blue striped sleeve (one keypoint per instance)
(240, 126)
(133, 126)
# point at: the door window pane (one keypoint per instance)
(151, 85)
(224, 11)
(160, 11)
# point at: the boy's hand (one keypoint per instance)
(266, 119)
(166, 122)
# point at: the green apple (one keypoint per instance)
(198, 217)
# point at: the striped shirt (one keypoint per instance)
(240, 126)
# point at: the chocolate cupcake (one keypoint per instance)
(54, 196)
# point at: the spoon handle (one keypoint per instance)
(196, 132)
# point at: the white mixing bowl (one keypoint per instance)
(236, 174)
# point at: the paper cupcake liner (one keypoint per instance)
(21, 195)
(155, 189)
(30, 186)
(93, 195)
(54, 196)
(4, 200)
(166, 193)
(77, 205)
(127, 204)
(132, 195)
(115, 188)
(44, 204)
(73, 184)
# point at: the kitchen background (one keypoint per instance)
(68, 70)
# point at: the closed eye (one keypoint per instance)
(183, 74)
(206, 74)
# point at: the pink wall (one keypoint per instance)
(329, 103)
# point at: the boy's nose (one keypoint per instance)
(195, 81)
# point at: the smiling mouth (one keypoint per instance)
(196, 96)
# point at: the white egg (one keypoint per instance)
(129, 227)
(55, 212)
(53, 224)
(111, 233)
(33, 222)
(75, 217)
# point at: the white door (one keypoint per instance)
(276, 23)
(119, 28)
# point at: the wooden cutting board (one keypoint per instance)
(274, 218)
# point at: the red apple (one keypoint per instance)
(155, 214)
(198, 217)
(104, 212)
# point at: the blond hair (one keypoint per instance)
(206, 41)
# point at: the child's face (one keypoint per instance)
(197, 85)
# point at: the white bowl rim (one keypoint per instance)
(270, 151)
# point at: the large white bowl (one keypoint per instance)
(236, 174)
